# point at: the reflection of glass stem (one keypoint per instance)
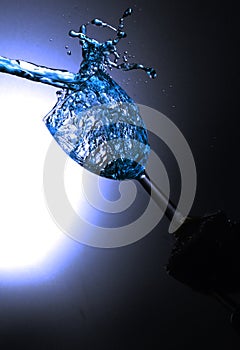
(161, 200)
(193, 225)
(232, 306)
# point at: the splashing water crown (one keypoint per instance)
(96, 55)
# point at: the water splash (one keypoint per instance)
(94, 120)
(97, 55)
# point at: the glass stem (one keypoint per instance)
(160, 199)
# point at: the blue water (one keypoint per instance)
(94, 120)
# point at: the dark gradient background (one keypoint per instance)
(123, 298)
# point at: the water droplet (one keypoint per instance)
(151, 72)
(173, 106)
(97, 22)
(128, 12)
(66, 47)
(122, 35)
(170, 85)
(69, 53)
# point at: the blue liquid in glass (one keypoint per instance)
(94, 120)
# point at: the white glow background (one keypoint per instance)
(31, 245)
(27, 234)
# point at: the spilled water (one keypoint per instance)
(94, 120)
